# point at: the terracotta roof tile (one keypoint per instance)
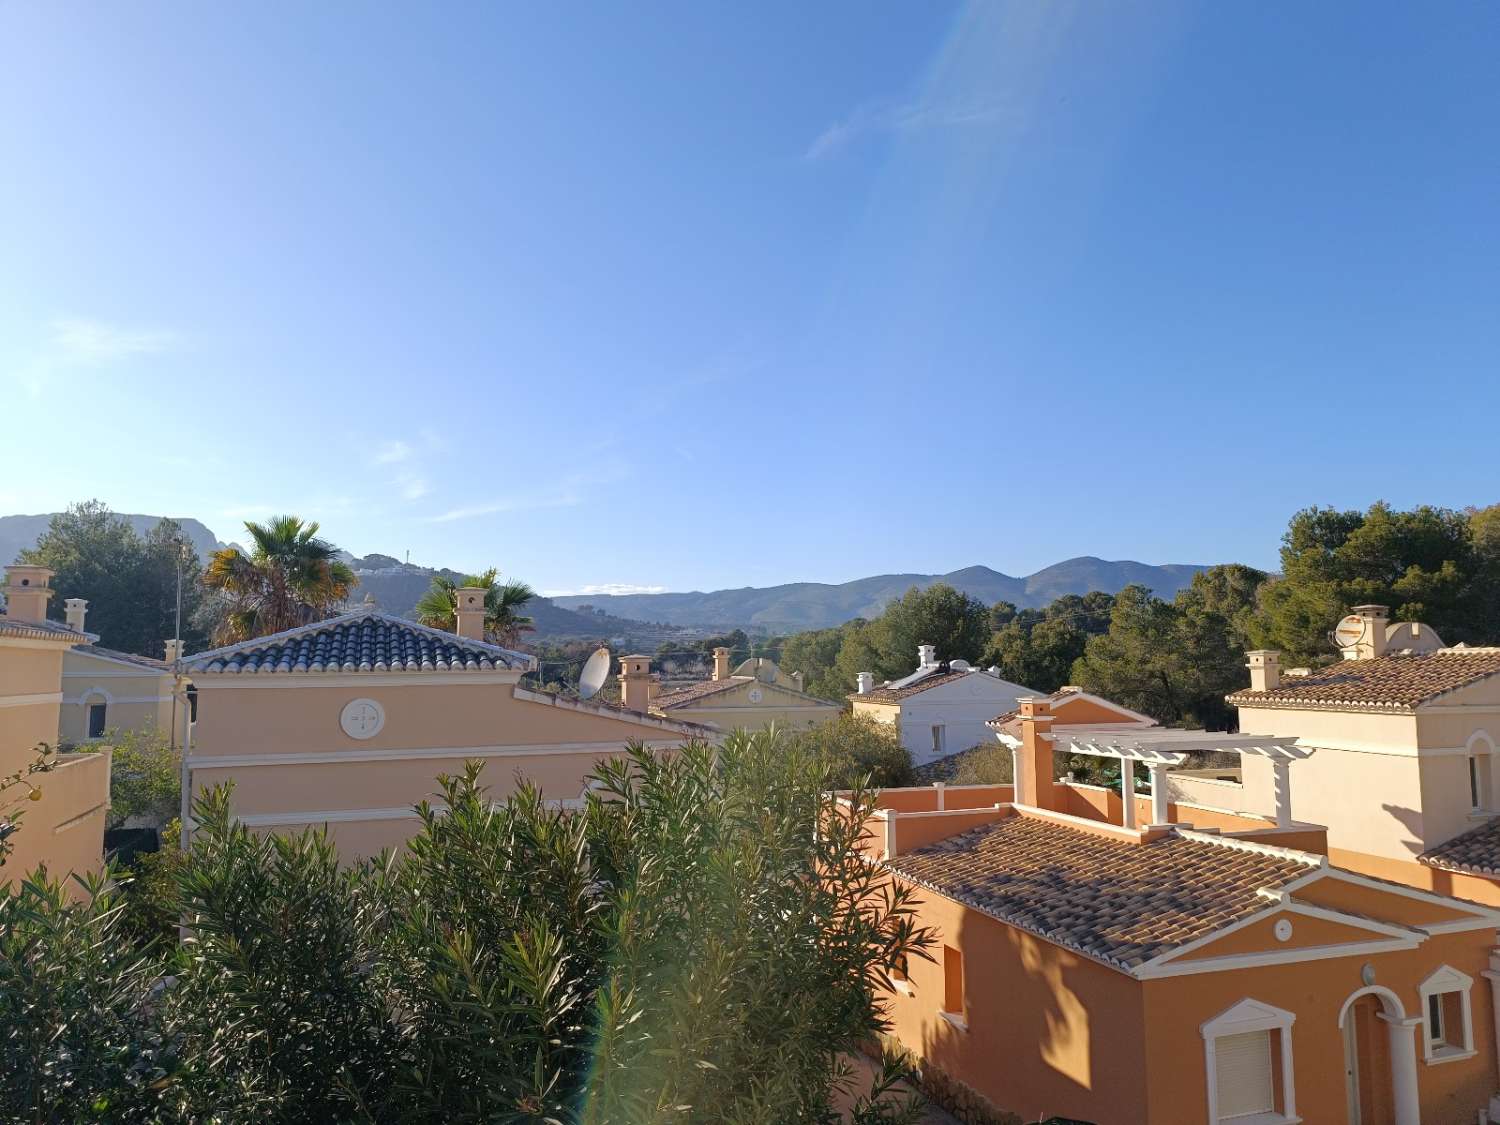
(896, 695)
(1401, 682)
(1119, 902)
(1477, 850)
(50, 630)
(679, 696)
(128, 657)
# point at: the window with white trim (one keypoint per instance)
(1248, 1065)
(1479, 782)
(1447, 1019)
(1242, 1069)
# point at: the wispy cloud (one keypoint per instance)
(413, 486)
(595, 589)
(908, 117)
(393, 453)
(74, 343)
(509, 504)
(94, 340)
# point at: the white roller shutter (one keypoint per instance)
(1242, 1069)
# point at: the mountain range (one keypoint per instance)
(786, 608)
(819, 605)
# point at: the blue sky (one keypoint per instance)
(704, 295)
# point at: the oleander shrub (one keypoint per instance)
(703, 941)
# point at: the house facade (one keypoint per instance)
(105, 690)
(1403, 769)
(1181, 964)
(754, 696)
(53, 819)
(348, 722)
(940, 709)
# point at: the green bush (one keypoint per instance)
(858, 751)
(702, 942)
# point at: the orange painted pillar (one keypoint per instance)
(1034, 786)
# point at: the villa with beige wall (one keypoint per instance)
(63, 827)
(756, 695)
(347, 722)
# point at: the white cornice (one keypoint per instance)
(31, 700)
(333, 757)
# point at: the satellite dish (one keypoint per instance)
(1349, 631)
(595, 672)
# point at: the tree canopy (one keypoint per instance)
(129, 581)
(503, 621)
(290, 577)
(1434, 565)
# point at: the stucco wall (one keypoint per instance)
(962, 708)
(734, 710)
(282, 745)
(65, 828)
(133, 701)
(1049, 1032)
(1176, 1008)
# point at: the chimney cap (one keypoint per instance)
(28, 574)
(1372, 610)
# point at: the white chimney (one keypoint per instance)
(174, 650)
(865, 683)
(926, 656)
(1371, 643)
(74, 610)
(1265, 669)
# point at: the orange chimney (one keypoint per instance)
(27, 592)
(635, 683)
(1035, 785)
(469, 612)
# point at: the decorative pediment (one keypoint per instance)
(1247, 1015)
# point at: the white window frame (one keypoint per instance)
(1248, 1016)
(1443, 981)
(1480, 763)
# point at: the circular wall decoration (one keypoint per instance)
(1283, 929)
(362, 718)
(756, 695)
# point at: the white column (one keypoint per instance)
(1015, 775)
(938, 785)
(1159, 813)
(1408, 1105)
(1492, 974)
(1127, 792)
(1282, 770)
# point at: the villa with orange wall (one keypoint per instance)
(63, 827)
(1177, 964)
(348, 722)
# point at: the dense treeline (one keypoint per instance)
(1176, 659)
(704, 941)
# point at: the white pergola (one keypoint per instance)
(1161, 748)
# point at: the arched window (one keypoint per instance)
(1481, 756)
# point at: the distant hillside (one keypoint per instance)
(395, 587)
(817, 605)
(20, 533)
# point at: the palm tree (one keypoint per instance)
(503, 625)
(289, 578)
